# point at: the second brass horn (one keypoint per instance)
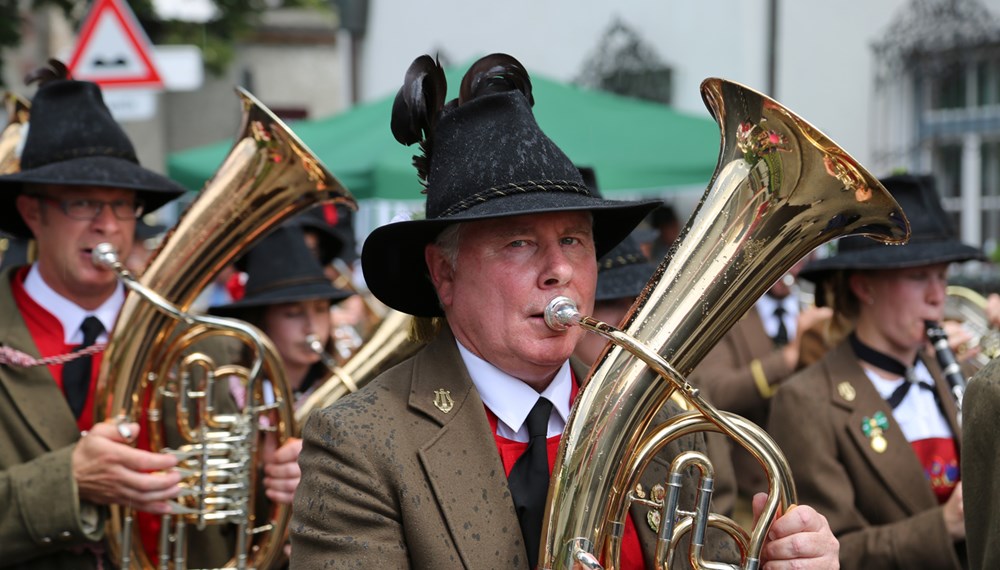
(268, 176)
(781, 188)
(388, 345)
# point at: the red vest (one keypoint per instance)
(510, 451)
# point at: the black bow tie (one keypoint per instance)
(882, 360)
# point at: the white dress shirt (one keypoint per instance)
(511, 399)
(69, 313)
(766, 306)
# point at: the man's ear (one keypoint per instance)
(441, 272)
(30, 210)
(861, 287)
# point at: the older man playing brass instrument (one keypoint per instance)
(443, 461)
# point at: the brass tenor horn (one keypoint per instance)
(781, 188)
(153, 360)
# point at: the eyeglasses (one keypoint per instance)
(88, 210)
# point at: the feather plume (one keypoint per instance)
(416, 109)
(53, 70)
(495, 73)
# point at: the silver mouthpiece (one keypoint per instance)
(314, 343)
(561, 313)
(104, 254)
(788, 279)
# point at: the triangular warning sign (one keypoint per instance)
(113, 50)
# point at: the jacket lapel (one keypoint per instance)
(33, 390)
(462, 465)
(897, 467)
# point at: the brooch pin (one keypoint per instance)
(873, 428)
(846, 391)
(443, 401)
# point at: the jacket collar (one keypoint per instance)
(461, 462)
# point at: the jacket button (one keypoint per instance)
(46, 539)
(65, 535)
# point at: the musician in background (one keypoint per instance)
(329, 234)
(80, 185)
(443, 461)
(746, 368)
(288, 297)
(870, 430)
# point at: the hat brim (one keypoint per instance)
(913, 254)
(392, 258)
(624, 282)
(154, 190)
(295, 294)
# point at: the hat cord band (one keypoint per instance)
(622, 260)
(85, 152)
(513, 188)
(281, 284)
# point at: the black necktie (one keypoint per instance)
(529, 479)
(780, 337)
(76, 373)
(900, 392)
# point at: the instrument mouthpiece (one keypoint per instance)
(314, 344)
(561, 313)
(104, 254)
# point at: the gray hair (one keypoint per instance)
(448, 240)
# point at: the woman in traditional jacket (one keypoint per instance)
(870, 430)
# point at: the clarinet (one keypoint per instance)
(949, 365)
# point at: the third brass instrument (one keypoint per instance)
(969, 307)
(268, 176)
(781, 188)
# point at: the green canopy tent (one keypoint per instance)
(636, 148)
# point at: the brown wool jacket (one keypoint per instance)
(41, 517)
(879, 505)
(391, 481)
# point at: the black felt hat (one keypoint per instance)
(73, 140)
(485, 157)
(281, 269)
(932, 238)
(623, 272)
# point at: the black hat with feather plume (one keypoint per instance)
(72, 140)
(484, 157)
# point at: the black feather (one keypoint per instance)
(416, 109)
(52, 70)
(495, 73)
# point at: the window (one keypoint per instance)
(948, 89)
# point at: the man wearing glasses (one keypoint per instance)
(80, 184)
